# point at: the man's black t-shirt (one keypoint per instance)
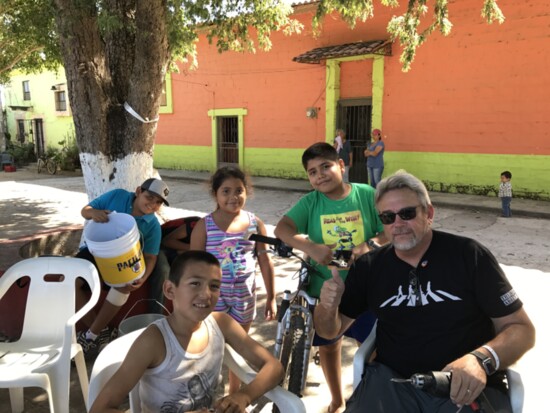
(460, 288)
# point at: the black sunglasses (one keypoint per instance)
(406, 214)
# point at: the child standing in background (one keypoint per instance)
(224, 233)
(505, 193)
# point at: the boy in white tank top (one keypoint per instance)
(177, 360)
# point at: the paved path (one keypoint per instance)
(32, 205)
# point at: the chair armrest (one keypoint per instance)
(516, 391)
(283, 399)
(362, 356)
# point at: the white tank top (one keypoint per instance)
(183, 381)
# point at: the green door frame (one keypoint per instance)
(214, 113)
(333, 91)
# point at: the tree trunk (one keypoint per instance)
(3, 142)
(107, 67)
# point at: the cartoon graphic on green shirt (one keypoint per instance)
(344, 230)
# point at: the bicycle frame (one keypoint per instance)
(295, 331)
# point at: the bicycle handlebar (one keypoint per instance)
(281, 249)
(340, 260)
(265, 239)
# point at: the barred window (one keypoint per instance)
(60, 101)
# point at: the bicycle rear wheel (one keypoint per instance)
(39, 165)
(51, 166)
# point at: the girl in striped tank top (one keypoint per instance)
(224, 234)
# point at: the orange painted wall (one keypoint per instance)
(355, 79)
(483, 89)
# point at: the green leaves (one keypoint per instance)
(29, 37)
(492, 12)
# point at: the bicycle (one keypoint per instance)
(294, 337)
(48, 163)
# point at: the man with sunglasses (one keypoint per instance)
(443, 304)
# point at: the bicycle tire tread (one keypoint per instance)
(296, 368)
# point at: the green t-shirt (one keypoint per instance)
(346, 222)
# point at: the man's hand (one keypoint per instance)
(468, 380)
(331, 291)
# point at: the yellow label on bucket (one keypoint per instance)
(124, 268)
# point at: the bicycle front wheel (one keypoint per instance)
(292, 351)
(39, 165)
(51, 166)
(296, 368)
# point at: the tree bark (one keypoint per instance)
(106, 67)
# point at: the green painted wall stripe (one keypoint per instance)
(192, 158)
(475, 173)
(469, 173)
(277, 162)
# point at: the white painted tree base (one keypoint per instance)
(102, 175)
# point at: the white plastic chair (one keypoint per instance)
(42, 356)
(109, 360)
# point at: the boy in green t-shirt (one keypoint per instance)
(335, 216)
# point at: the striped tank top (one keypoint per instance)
(233, 251)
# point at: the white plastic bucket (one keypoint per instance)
(137, 322)
(116, 248)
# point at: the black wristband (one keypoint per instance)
(485, 362)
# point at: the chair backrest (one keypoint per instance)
(107, 363)
(50, 304)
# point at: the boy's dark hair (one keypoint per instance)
(226, 172)
(507, 174)
(319, 150)
(183, 260)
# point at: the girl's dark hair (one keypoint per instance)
(319, 150)
(177, 269)
(226, 172)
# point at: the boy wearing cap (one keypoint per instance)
(142, 205)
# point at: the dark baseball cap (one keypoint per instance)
(157, 187)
